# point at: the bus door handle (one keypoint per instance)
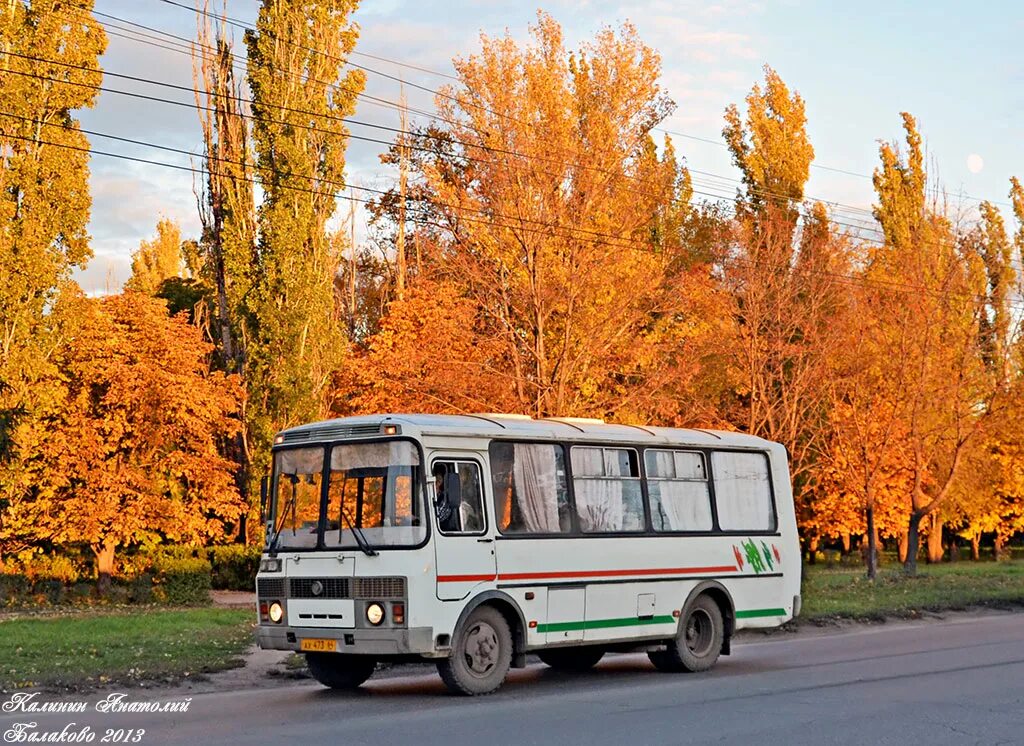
(484, 541)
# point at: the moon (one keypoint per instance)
(975, 163)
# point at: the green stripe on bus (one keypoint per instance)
(604, 623)
(751, 613)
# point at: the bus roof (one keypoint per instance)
(489, 425)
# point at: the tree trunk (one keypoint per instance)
(872, 555)
(913, 543)
(954, 549)
(812, 550)
(976, 547)
(845, 538)
(901, 547)
(104, 567)
(934, 539)
(999, 548)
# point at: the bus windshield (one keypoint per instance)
(373, 487)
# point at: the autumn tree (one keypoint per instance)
(558, 219)
(44, 203)
(784, 276)
(865, 464)
(932, 332)
(227, 211)
(300, 94)
(131, 455)
(157, 260)
(226, 203)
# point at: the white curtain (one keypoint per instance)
(536, 483)
(742, 491)
(599, 504)
(598, 501)
(587, 462)
(660, 464)
(686, 505)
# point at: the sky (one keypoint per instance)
(955, 66)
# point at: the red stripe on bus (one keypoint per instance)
(617, 573)
(464, 578)
(586, 574)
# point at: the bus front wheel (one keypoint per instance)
(340, 671)
(481, 654)
(699, 642)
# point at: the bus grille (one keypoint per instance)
(332, 588)
(380, 588)
(270, 588)
(363, 588)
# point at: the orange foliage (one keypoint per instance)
(131, 454)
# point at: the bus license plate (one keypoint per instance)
(318, 645)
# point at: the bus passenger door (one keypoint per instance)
(463, 543)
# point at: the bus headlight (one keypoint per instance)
(375, 614)
(270, 564)
(276, 612)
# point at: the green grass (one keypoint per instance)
(91, 649)
(847, 593)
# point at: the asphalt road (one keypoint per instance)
(954, 682)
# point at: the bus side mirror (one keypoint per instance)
(263, 499)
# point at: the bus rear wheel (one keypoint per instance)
(571, 659)
(699, 642)
(340, 671)
(481, 654)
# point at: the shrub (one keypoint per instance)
(182, 582)
(15, 590)
(140, 589)
(234, 567)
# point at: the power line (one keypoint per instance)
(346, 120)
(719, 197)
(242, 25)
(351, 120)
(844, 279)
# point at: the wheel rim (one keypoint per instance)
(700, 633)
(480, 649)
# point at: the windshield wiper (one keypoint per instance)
(272, 549)
(357, 533)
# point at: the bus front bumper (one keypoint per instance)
(411, 641)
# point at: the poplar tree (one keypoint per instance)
(300, 93)
(786, 298)
(930, 304)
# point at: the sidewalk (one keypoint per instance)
(233, 599)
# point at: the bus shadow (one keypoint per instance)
(538, 679)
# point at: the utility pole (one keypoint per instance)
(352, 263)
(403, 177)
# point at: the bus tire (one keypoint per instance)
(481, 654)
(571, 659)
(699, 642)
(339, 671)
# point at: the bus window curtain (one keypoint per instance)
(536, 487)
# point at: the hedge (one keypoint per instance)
(181, 582)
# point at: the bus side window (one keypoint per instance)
(458, 499)
(530, 491)
(742, 491)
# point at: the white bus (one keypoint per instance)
(473, 540)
